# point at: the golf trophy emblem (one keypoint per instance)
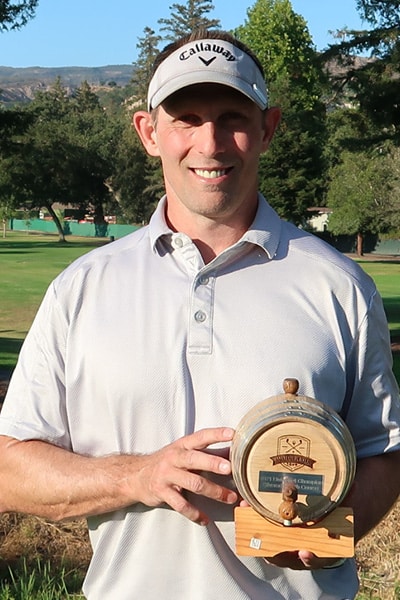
(293, 462)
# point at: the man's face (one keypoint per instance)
(209, 138)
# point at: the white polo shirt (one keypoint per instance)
(138, 343)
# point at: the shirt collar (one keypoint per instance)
(264, 232)
(158, 226)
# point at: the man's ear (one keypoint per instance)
(272, 118)
(146, 130)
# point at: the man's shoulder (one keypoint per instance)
(316, 254)
(115, 255)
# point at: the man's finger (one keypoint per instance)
(200, 440)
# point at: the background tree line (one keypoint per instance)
(337, 145)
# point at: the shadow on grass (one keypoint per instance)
(21, 247)
(9, 350)
(392, 310)
(383, 261)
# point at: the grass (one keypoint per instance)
(39, 583)
(46, 561)
(386, 274)
(29, 262)
(42, 560)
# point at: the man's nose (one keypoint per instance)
(209, 138)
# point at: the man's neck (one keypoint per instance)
(211, 235)
(213, 239)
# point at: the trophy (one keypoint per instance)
(293, 461)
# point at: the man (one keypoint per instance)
(146, 353)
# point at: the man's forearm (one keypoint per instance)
(376, 488)
(56, 484)
(47, 481)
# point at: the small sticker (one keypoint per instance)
(255, 543)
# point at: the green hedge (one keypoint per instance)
(72, 228)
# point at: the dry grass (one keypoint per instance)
(378, 558)
(31, 538)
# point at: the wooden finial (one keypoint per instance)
(290, 386)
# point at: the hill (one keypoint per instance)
(21, 84)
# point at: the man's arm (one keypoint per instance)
(375, 489)
(42, 479)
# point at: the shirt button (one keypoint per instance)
(204, 280)
(200, 316)
(178, 242)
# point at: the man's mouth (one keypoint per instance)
(211, 173)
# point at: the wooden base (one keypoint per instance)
(330, 537)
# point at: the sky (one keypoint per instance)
(92, 33)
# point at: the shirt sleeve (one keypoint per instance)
(34, 407)
(373, 415)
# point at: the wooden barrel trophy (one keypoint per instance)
(293, 461)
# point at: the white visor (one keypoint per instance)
(208, 61)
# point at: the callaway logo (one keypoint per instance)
(207, 62)
(207, 47)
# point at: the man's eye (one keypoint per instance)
(189, 119)
(233, 116)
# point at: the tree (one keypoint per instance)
(364, 195)
(85, 100)
(65, 154)
(24, 180)
(12, 122)
(384, 13)
(292, 171)
(372, 85)
(13, 15)
(94, 134)
(187, 17)
(365, 124)
(137, 182)
(50, 105)
(349, 130)
(35, 175)
(148, 50)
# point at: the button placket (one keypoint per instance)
(201, 314)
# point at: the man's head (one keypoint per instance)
(207, 57)
(209, 122)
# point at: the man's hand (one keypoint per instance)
(163, 477)
(302, 560)
(56, 484)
